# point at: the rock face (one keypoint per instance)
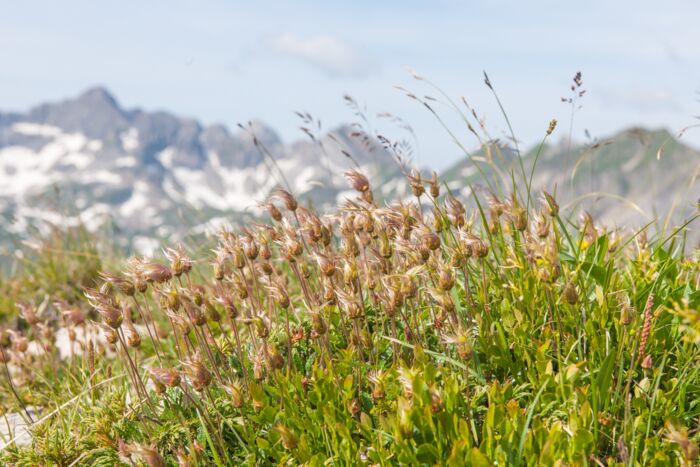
(153, 175)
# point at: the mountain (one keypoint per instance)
(144, 176)
(152, 174)
(628, 179)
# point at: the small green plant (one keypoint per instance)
(374, 335)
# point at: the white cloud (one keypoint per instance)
(641, 100)
(330, 54)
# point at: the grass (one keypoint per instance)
(418, 331)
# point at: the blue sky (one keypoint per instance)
(233, 61)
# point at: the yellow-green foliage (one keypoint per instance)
(415, 333)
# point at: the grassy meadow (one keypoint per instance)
(420, 331)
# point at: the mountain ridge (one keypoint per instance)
(156, 174)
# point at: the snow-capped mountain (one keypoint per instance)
(152, 174)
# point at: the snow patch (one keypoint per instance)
(138, 200)
(130, 139)
(126, 161)
(36, 129)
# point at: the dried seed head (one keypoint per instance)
(110, 333)
(285, 197)
(28, 314)
(180, 263)
(415, 181)
(235, 390)
(262, 326)
(378, 385)
(436, 402)
(455, 211)
(111, 315)
(519, 218)
(357, 180)
(149, 454)
(434, 185)
(276, 360)
(550, 202)
(354, 407)
(258, 374)
(225, 299)
(289, 440)
(318, 324)
(154, 272)
(197, 373)
(680, 436)
(250, 247)
(140, 283)
(169, 377)
(123, 284)
(446, 278)
(626, 313)
(542, 225)
(570, 293)
(211, 312)
(274, 213)
(429, 240)
(133, 339)
(20, 344)
(70, 312)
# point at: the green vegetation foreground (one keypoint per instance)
(376, 335)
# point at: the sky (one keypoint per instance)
(229, 62)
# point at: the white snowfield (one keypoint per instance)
(115, 181)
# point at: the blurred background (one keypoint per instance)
(169, 119)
